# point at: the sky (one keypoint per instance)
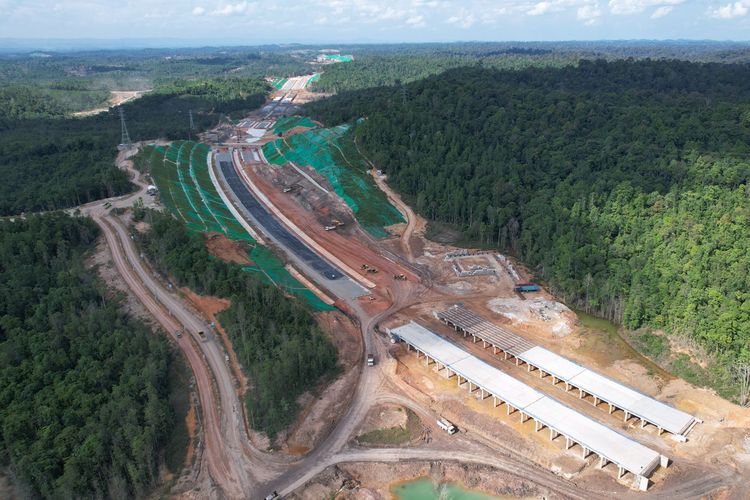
(368, 21)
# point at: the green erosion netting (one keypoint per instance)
(287, 123)
(314, 78)
(185, 188)
(331, 151)
(279, 82)
(338, 58)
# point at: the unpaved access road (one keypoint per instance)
(228, 457)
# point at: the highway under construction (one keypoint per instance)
(470, 328)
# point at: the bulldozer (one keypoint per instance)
(399, 277)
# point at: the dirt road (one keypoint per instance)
(406, 211)
(227, 452)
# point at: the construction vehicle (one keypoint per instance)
(202, 335)
(364, 267)
(286, 190)
(447, 426)
(399, 277)
(337, 223)
(370, 360)
(178, 334)
(526, 287)
(331, 228)
(372, 270)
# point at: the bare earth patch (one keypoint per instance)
(225, 249)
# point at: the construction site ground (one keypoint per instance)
(538, 317)
(361, 399)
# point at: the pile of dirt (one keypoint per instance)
(558, 315)
(390, 425)
(222, 247)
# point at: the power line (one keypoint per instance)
(125, 140)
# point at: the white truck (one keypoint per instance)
(447, 426)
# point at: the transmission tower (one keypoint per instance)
(192, 123)
(125, 141)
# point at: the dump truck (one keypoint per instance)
(372, 270)
(446, 425)
(370, 360)
(202, 335)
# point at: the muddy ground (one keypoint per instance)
(373, 481)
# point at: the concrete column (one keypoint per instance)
(505, 355)
(585, 453)
(469, 386)
(484, 344)
(508, 408)
(568, 443)
(475, 338)
(552, 434)
(567, 387)
(554, 380)
(642, 482)
(611, 408)
(627, 416)
(596, 401)
(541, 373)
(602, 462)
(663, 461)
(643, 423)
(659, 430)
(494, 401)
(580, 393)
(524, 417)
(517, 362)
(494, 350)
(620, 472)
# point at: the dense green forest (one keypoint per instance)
(622, 184)
(83, 388)
(281, 348)
(372, 70)
(52, 162)
(376, 65)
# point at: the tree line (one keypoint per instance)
(83, 387)
(51, 162)
(623, 184)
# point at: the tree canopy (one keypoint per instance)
(623, 184)
(83, 403)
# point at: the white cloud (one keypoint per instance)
(199, 11)
(662, 11)
(464, 19)
(539, 9)
(416, 21)
(731, 10)
(230, 8)
(626, 7)
(588, 13)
